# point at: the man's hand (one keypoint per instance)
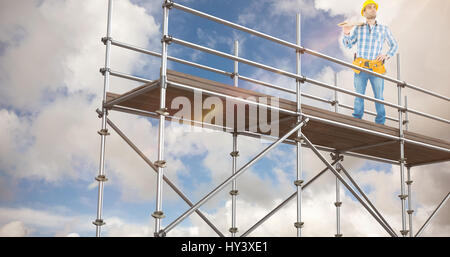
(382, 57)
(347, 29)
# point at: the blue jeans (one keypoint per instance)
(377, 87)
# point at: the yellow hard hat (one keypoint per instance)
(366, 4)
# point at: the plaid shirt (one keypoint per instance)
(370, 40)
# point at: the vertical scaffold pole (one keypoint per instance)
(406, 121)
(161, 163)
(402, 160)
(101, 178)
(298, 183)
(235, 153)
(336, 100)
(410, 210)
(338, 202)
(236, 64)
(234, 192)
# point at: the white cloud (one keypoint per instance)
(14, 229)
(53, 137)
(387, 10)
(306, 7)
(28, 221)
(59, 47)
(118, 227)
(48, 222)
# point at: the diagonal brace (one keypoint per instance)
(124, 137)
(365, 197)
(432, 215)
(257, 224)
(228, 180)
(349, 188)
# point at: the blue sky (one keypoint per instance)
(253, 48)
(50, 148)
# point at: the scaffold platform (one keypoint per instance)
(328, 129)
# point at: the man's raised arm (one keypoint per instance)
(350, 37)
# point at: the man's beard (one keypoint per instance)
(371, 16)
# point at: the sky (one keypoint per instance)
(50, 87)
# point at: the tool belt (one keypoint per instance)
(376, 66)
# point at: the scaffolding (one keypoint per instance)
(294, 119)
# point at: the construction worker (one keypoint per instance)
(370, 38)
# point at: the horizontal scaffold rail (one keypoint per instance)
(230, 74)
(268, 68)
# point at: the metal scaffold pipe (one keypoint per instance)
(234, 192)
(275, 70)
(410, 210)
(299, 181)
(161, 163)
(101, 178)
(442, 203)
(338, 202)
(292, 196)
(349, 188)
(402, 160)
(235, 153)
